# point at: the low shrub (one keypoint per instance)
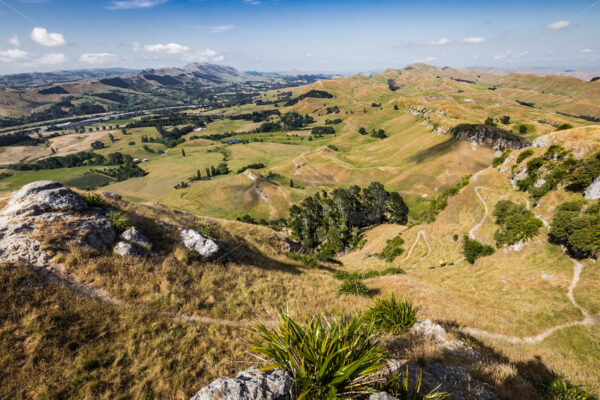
(353, 286)
(392, 249)
(392, 316)
(310, 260)
(517, 223)
(341, 275)
(473, 249)
(119, 220)
(328, 358)
(524, 155)
(560, 390)
(93, 199)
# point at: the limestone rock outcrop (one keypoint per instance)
(135, 236)
(50, 208)
(249, 385)
(209, 249)
(492, 136)
(593, 191)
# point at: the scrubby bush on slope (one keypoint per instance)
(517, 223)
(577, 228)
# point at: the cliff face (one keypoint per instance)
(492, 136)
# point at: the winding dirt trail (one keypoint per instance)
(588, 319)
(485, 213)
(55, 273)
(423, 234)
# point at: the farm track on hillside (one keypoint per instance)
(588, 319)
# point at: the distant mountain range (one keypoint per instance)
(37, 79)
(41, 97)
(585, 74)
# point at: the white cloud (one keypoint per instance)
(14, 41)
(45, 38)
(221, 28)
(252, 2)
(558, 25)
(509, 54)
(53, 59)
(440, 42)
(473, 40)
(169, 48)
(207, 55)
(422, 60)
(97, 58)
(13, 55)
(128, 5)
(588, 51)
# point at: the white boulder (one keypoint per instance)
(593, 191)
(249, 385)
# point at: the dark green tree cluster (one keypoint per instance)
(505, 119)
(517, 223)
(331, 222)
(577, 226)
(181, 185)
(362, 130)
(473, 249)
(80, 159)
(251, 166)
(322, 130)
(20, 138)
(97, 145)
(125, 171)
(221, 169)
(294, 120)
(268, 127)
(379, 134)
(489, 121)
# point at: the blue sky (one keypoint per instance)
(310, 35)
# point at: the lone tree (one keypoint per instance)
(97, 145)
(291, 183)
(182, 152)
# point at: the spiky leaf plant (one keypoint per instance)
(398, 386)
(328, 357)
(392, 316)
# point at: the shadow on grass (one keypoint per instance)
(434, 151)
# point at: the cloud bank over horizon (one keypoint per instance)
(274, 35)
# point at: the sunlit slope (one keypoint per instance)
(518, 291)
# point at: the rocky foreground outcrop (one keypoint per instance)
(492, 136)
(47, 204)
(254, 384)
(44, 215)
